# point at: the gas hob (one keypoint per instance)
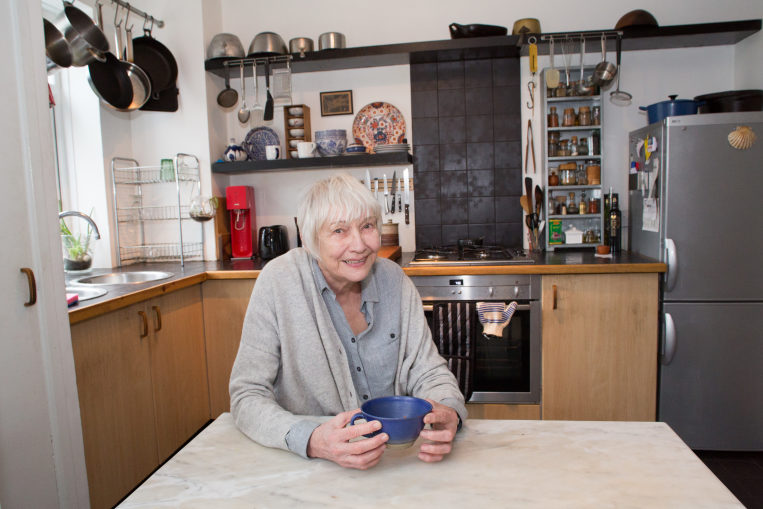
(470, 254)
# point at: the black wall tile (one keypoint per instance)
(479, 156)
(427, 183)
(452, 233)
(509, 234)
(426, 158)
(506, 72)
(424, 103)
(428, 211)
(506, 208)
(507, 127)
(478, 73)
(450, 103)
(423, 77)
(428, 236)
(481, 182)
(454, 211)
(450, 75)
(508, 154)
(486, 231)
(426, 131)
(479, 128)
(508, 182)
(453, 157)
(479, 101)
(453, 185)
(481, 210)
(505, 100)
(452, 129)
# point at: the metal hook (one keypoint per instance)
(116, 13)
(531, 89)
(128, 17)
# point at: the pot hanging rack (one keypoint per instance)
(137, 11)
(258, 61)
(577, 36)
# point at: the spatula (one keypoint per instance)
(552, 75)
(268, 115)
(538, 200)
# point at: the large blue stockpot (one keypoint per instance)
(672, 108)
(401, 417)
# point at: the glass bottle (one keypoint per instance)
(553, 117)
(574, 146)
(583, 147)
(572, 207)
(583, 207)
(584, 115)
(596, 115)
(569, 117)
(614, 225)
(606, 216)
(596, 144)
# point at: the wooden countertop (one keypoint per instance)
(558, 262)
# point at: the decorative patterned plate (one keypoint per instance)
(257, 139)
(378, 123)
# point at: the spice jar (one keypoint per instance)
(553, 136)
(567, 174)
(583, 147)
(553, 179)
(574, 146)
(561, 90)
(593, 206)
(572, 207)
(596, 115)
(553, 117)
(584, 115)
(580, 175)
(564, 148)
(569, 117)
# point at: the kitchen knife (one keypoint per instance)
(407, 195)
(529, 191)
(400, 195)
(376, 189)
(386, 203)
(368, 180)
(394, 190)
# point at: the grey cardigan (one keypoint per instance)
(291, 368)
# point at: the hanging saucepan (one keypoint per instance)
(156, 60)
(85, 38)
(109, 79)
(57, 47)
(141, 85)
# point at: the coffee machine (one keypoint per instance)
(240, 204)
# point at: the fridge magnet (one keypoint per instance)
(336, 103)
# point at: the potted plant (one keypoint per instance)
(77, 251)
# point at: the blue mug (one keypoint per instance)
(401, 417)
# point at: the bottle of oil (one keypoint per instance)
(614, 225)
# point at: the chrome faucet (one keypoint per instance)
(87, 218)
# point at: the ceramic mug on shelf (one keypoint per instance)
(272, 152)
(306, 149)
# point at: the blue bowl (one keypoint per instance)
(401, 417)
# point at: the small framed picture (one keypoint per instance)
(336, 103)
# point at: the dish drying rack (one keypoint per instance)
(151, 206)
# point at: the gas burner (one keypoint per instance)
(466, 253)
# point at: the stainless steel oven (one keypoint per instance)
(490, 369)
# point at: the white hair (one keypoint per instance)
(340, 197)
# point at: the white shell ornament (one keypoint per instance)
(742, 137)
(234, 152)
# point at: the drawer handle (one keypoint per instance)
(32, 286)
(554, 296)
(158, 314)
(144, 319)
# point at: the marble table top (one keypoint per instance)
(494, 463)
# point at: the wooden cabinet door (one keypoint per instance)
(178, 368)
(116, 405)
(600, 338)
(225, 303)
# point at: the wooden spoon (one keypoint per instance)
(525, 204)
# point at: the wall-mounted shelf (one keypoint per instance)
(345, 161)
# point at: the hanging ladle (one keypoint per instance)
(228, 97)
(243, 113)
(584, 85)
(605, 71)
(619, 97)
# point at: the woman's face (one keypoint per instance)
(347, 251)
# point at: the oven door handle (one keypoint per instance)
(520, 307)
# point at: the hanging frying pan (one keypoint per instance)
(109, 79)
(141, 85)
(156, 60)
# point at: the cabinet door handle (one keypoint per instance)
(554, 296)
(144, 319)
(158, 314)
(32, 286)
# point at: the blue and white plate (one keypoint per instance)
(257, 139)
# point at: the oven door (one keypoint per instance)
(489, 369)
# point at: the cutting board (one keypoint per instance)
(391, 252)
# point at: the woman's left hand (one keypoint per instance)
(439, 439)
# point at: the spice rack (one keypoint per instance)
(578, 182)
(289, 118)
(151, 207)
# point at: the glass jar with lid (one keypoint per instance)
(573, 146)
(567, 174)
(564, 148)
(553, 117)
(583, 147)
(584, 115)
(569, 117)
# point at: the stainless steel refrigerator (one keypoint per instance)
(696, 203)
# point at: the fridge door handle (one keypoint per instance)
(671, 258)
(669, 340)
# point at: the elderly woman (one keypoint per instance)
(330, 326)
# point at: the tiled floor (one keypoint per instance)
(741, 472)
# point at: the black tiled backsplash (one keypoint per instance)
(467, 151)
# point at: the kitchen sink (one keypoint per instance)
(123, 278)
(86, 293)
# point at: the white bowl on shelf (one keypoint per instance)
(294, 154)
(294, 143)
(296, 122)
(297, 132)
(296, 111)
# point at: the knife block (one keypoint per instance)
(307, 136)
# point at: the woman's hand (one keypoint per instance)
(331, 441)
(444, 421)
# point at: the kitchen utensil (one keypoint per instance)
(636, 18)
(533, 60)
(282, 84)
(584, 85)
(568, 46)
(368, 180)
(300, 45)
(407, 184)
(731, 100)
(258, 110)
(525, 204)
(619, 97)
(228, 96)
(672, 108)
(386, 203)
(530, 147)
(538, 201)
(331, 40)
(475, 30)
(268, 113)
(552, 74)
(266, 44)
(243, 112)
(57, 47)
(225, 46)
(526, 26)
(141, 85)
(156, 60)
(529, 192)
(394, 191)
(399, 195)
(109, 79)
(605, 71)
(85, 37)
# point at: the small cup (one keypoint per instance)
(306, 149)
(401, 417)
(167, 171)
(272, 152)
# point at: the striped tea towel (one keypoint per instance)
(494, 316)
